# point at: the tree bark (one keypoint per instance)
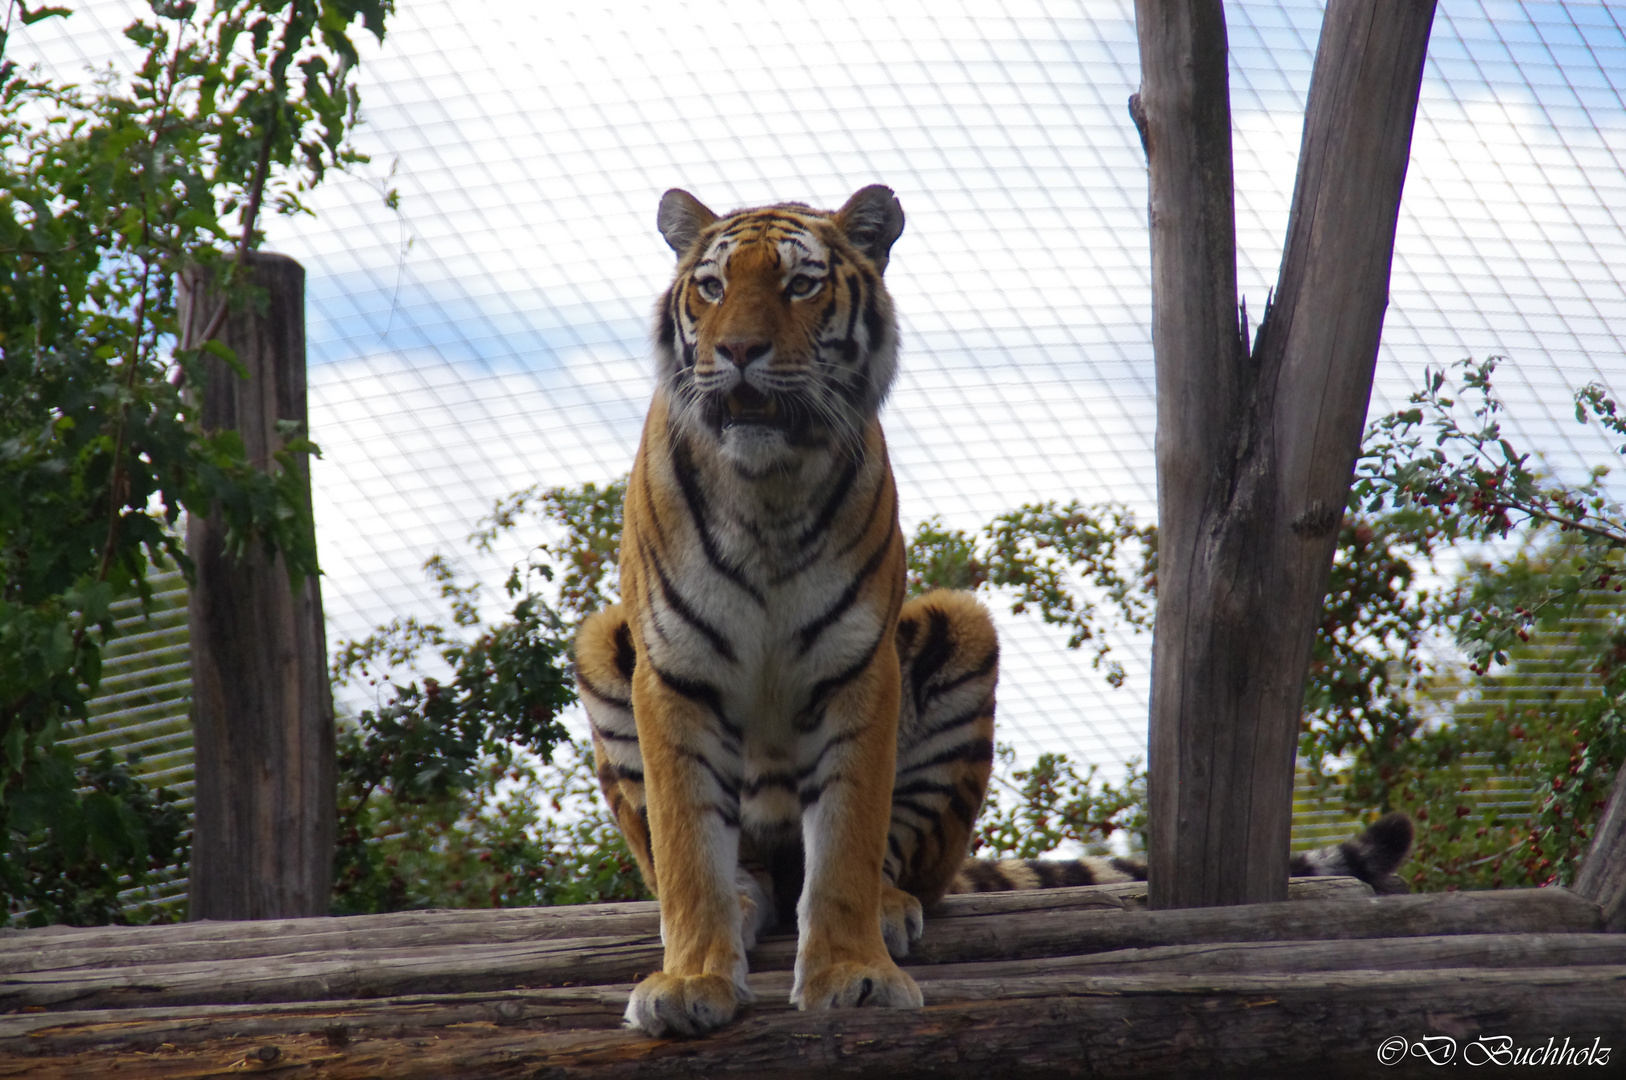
(1256, 447)
(262, 707)
(1603, 874)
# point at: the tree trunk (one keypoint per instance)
(262, 706)
(1256, 447)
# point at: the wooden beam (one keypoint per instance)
(262, 707)
(601, 1007)
(1255, 448)
(1603, 873)
(86, 980)
(1167, 1027)
(113, 946)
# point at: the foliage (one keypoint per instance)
(1442, 745)
(106, 193)
(1033, 811)
(1045, 555)
(441, 783)
(495, 844)
(85, 847)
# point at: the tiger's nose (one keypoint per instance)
(741, 352)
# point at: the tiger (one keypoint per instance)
(780, 734)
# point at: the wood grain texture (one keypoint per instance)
(601, 1007)
(262, 704)
(1603, 873)
(1058, 1026)
(1255, 447)
(79, 979)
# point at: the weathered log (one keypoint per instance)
(262, 704)
(57, 948)
(450, 968)
(1255, 447)
(1060, 1026)
(1603, 873)
(602, 1006)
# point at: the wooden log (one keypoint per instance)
(1256, 447)
(1066, 1026)
(1603, 874)
(602, 1006)
(262, 708)
(57, 948)
(444, 968)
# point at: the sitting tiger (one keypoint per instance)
(778, 733)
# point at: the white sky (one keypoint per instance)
(492, 334)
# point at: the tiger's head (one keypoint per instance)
(777, 333)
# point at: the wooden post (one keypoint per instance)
(262, 706)
(1603, 873)
(1256, 447)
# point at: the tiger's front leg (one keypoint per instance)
(694, 837)
(841, 957)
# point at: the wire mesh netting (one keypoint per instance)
(491, 334)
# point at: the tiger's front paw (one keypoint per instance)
(902, 921)
(681, 1004)
(848, 984)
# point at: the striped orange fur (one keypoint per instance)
(747, 694)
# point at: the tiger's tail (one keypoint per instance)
(1372, 857)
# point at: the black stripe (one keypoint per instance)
(611, 736)
(810, 796)
(668, 328)
(962, 809)
(583, 682)
(955, 683)
(829, 744)
(731, 818)
(976, 751)
(626, 657)
(767, 780)
(649, 842)
(882, 489)
(1134, 869)
(693, 689)
(934, 652)
(838, 496)
(960, 719)
(922, 787)
(678, 603)
(688, 482)
(729, 785)
(824, 688)
(810, 633)
(849, 342)
(625, 772)
(873, 325)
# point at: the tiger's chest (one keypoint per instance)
(767, 596)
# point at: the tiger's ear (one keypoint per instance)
(872, 220)
(681, 219)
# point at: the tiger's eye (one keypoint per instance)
(802, 285)
(711, 289)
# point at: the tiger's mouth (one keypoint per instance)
(747, 405)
